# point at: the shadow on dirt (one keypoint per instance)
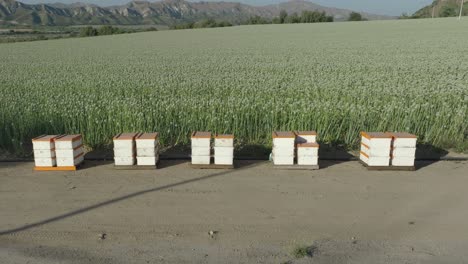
(121, 198)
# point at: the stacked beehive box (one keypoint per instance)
(124, 149)
(224, 149)
(44, 151)
(307, 154)
(201, 148)
(147, 149)
(69, 150)
(307, 148)
(375, 148)
(283, 148)
(403, 149)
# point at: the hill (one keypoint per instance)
(442, 8)
(166, 12)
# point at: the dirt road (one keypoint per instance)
(341, 214)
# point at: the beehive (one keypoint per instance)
(224, 149)
(44, 151)
(69, 150)
(283, 148)
(147, 149)
(201, 147)
(307, 154)
(305, 137)
(124, 149)
(375, 148)
(403, 149)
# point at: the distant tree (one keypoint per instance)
(283, 16)
(276, 20)
(254, 20)
(354, 16)
(152, 29)
(88, 32)
(448, 11)
(105, 30)
(294, 18)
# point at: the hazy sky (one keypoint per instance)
(386, 7)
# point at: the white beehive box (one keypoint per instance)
(307, 153)
(307, 150)
(69, 153)
(201, 160)
(125, 141)
(375, 148)
(147, 141)
(283, 139)
(201, 139)
(147, 161)
(68, 142)
(201, 151)
(124, 149)
(201, 147)
(375, 161)
(124, 161)
(283, 147)
(375, 151)
(65, 162)
(403, 140)
(283, 160)
(45, 162)
(305, 137)
(44, 142)
(44, 151)
(377, 140)
(224, 140)
(284, 151)
(147, 149)
(402, 161)
(224, 149)
(403, 152)
(69, 150)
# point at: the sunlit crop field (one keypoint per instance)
(336, 78)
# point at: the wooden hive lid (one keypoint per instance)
(148, 136)
(43, 138)
(126, 136)
(68, 138)
(308, 145)
(283, 134)
(225, 136)
(305, 133)
(401, 135)
(370, 135)
(200, 134)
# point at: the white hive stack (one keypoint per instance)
(147, 149)
(305, 137)
(403, 149)
(224, 149)
(307, 154)
(44, 151)
(124, 149)
(69, 150)
(375, 148)
(283, 148)
(201, 148)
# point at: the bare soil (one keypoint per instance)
(257, 214)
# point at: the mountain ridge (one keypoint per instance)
(165, 12)
(442, 8)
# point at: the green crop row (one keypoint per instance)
(338, 79)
